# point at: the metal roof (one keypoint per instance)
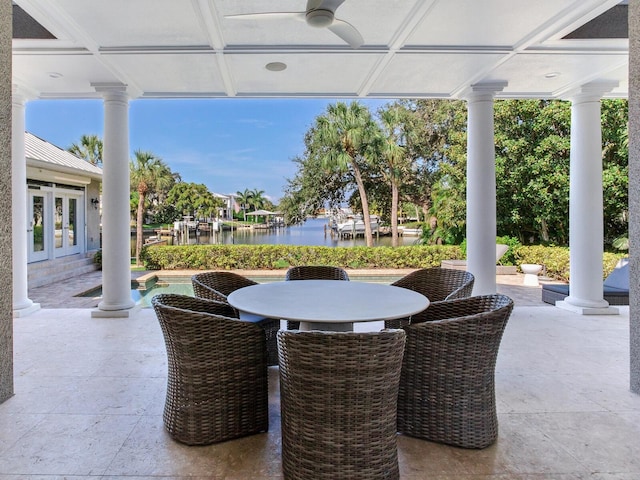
(40, 153)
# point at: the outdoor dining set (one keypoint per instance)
(344, 394)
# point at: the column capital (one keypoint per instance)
(592, 91)
(21, 95)
(483, 91)
(113, 90)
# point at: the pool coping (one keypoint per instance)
(155, 274)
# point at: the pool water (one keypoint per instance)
(143, 293)
(143, 297)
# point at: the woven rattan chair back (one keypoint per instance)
(314, 272)
(447, 385)
(217, 371)
(218, 286)
(338, 393)
(437, 284)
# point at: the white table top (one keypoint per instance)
(328, 301)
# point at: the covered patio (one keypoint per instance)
(90, 393)
(82, 395)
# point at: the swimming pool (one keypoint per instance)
(143, 292)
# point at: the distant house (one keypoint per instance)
(63, 207)
(226, 212)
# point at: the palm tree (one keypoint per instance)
(244, 199)
(397, 164)
(89, 148)
(148, 174)
(257, 199)
(344, 136)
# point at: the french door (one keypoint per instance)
(66, 216)
(55, 223)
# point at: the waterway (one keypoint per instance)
(315, 231)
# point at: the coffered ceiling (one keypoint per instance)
(411, 48)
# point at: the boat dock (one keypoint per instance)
(352, 226)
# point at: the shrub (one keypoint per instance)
(509, 258)
(273, 257)
(261, 257)
(556, 260)
(97, 259)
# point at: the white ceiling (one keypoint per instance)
(412, 48)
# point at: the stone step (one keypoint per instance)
(51, 271)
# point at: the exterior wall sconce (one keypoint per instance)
(95, 202)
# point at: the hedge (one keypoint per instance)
(270, 257)
(261, 257)
(556, 260)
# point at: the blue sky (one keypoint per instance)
(227, 144)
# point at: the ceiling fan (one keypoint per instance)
(320, 14)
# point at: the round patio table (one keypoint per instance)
(327, 304)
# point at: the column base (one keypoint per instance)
(587, 310)
(23, 312)
(123, 313)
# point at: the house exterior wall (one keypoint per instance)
(90, 212)
(634, 193)
(6, 293)
(93, 217)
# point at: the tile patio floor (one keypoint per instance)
(89, 395)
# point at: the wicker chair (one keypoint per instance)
(218, 285)
(338, 393)
(314, 272)
(437, 284)
(447, 385)
(217, 371)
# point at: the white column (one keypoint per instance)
(586, 218)
(481, 187)
(22, 305)
(116, 233)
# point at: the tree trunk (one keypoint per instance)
(544, 230)
(139, 226)
(368, 235)
(394, 213)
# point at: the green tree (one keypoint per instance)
(615, 164)
(193, 199)
(397, 164)
(257, 199)
(89, 148)
(532, 169)
(148, 173)
(344, 138)
(311, 189)
(244, 200)
(439, 181)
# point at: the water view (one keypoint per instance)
(142, 293)
(315, 231)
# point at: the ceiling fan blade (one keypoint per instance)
(267, 16)
(324, 4)
(346, 32)
(314, 4)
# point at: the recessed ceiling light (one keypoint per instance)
(276, 66)
(551, 75)
(55, 75)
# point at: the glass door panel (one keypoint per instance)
(37, 227)
(68, 224)
(72, 228)
(58, 218)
